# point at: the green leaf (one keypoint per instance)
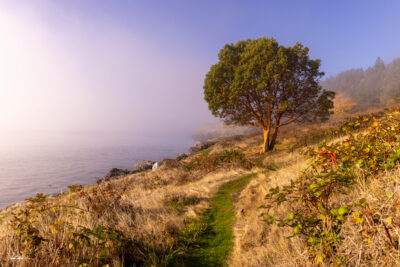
(269, 218)
(334, 211)
(340, 218)
(343, 210)
(320, 258)
(102, 254)
(297, 228)
(312, 186)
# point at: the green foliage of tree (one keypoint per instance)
(262, 84)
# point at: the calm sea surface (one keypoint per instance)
(26, 171)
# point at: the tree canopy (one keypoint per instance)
(259, 83)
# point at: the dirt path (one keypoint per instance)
(216, 241)
(233, 232)
(252, 239)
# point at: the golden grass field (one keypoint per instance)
(139, 220)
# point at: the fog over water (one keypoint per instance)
(59, 76)
(25, 171)
(90, 85)
(81, 95)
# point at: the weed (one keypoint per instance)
(314, 216)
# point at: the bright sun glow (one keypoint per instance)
(62, 77)
(35, 81)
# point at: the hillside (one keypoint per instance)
(376, 86)
(229, 204)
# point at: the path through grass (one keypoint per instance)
(213, 246)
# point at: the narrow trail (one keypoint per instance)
(216, 242)
(223, 227)
(252, 243)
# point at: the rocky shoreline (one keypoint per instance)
(146, 165)
(141, 166)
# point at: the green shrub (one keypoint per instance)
(99, 244)
(314, 216)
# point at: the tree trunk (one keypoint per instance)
(273, 138)
(266, 141)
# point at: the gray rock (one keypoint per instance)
(181, 157)
(199, 146)
(157, 165)
(116, 173)
(144, 165)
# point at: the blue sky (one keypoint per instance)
(344, 34)
(137, 67)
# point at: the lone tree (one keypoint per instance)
(259, 83)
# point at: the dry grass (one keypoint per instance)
(153, 208)
(144, 215)
(255, 244)
(374, 242)
(380, 246)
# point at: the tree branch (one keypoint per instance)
(260, 121)
(252, 125)
(291, 119)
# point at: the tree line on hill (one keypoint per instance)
(377, 86)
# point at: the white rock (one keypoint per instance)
(156, 165)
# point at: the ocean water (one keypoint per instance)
(31, 169)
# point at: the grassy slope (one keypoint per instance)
(372, 241)
(215, 244)
(152, 210)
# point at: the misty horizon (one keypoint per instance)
(135, 71)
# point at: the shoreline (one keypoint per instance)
(88, 181)
(196, 147)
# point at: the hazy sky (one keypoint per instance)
(137, 67)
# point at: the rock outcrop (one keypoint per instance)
(199, 146)
(181, 157)
(144, 165)
(157, 165)
(115, 173)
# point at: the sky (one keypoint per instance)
(117, 68)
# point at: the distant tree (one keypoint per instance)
(369, 90)
(391, 83)
(346, 81)
(259, 83)
(377, 86)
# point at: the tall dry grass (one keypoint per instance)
(142, 216)
(135, 220)
(370, 233)
(255, 244)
